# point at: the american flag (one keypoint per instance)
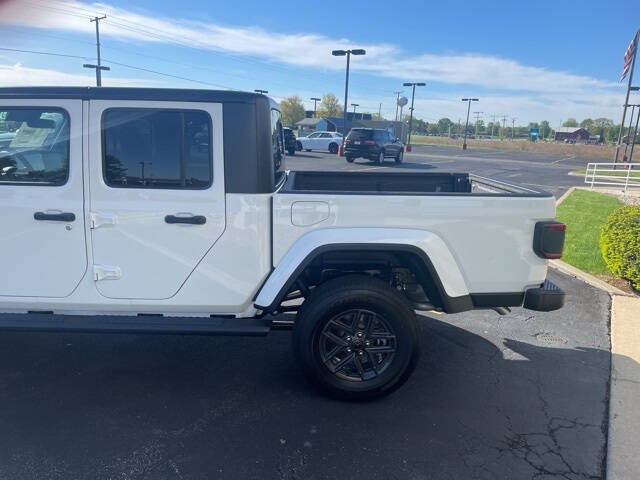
(628, 58)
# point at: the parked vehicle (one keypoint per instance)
(151, 211)
(321, 141)
(290, 143)
(374, 144)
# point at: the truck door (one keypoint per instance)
(157, 194)
(42, 235)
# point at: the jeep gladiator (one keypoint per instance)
(170, 211)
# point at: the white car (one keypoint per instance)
(321, 141)
(170, 211)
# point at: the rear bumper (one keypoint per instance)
(545, 298)
(361, 152)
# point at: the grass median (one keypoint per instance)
(584, 213)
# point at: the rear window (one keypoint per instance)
(34, 146)
(360, 134)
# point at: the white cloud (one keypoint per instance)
(16, 74)
(507, 84)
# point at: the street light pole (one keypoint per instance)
(348, 53)
(354, 105)
(466, 125)
(413, 95)
(315, 102)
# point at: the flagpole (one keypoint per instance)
(626, 101)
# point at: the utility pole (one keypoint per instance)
(493, 123)
(354, 105)
(99, 66)
(397, 100)
(477, 114)
(315, 102)
(380, 110)
(504, 125)
(513, 126)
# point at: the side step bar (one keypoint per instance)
(154, 324)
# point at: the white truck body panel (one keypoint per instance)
(487, 239)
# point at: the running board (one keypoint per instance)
(154, 324)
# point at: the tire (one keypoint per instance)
(333, 148)
(352, 362)
(400, 156)
(380, 159)
(291, 151)
(307, 149)
(350, 159)
(299, 146)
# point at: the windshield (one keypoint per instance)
(34, 146)
(360, 134)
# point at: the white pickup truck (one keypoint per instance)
(170, 211)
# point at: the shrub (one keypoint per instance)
(620, 243)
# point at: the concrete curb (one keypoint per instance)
(585, 277)
(623, 461)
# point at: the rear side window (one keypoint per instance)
(148, 148)
(359, 134)
(34, 146)
(277, 145)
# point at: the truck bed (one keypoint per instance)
(401, 183)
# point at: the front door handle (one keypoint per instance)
(191, 220)
(56, 217)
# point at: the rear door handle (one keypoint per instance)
(56, 217)
(191, 220)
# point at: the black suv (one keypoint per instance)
(290, 144)
(374, 144)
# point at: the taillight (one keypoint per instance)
(369, 142)
(548, 239)
(347, 141)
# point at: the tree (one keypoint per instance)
(588, 125)
(329, 106)
(443, 125)
(545, 129)
(571, 122)
(292, 110)
(375, 116)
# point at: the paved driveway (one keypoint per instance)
(514, 397)
(549, 172)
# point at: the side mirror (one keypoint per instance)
(397, 139)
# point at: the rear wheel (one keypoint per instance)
(400, 156)
(298, 146)
(356, 338)
(380, 159)
(291, 151)
(350, 159)
(333, 148)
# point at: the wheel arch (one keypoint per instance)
(435, 270)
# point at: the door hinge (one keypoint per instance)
(100, 219)
(106, 272)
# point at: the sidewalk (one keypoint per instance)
(623, 458)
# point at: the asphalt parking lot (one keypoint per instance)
(511, 397)
(547, 172)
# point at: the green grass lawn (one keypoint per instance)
(584, 213)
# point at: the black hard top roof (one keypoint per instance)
(126, 93)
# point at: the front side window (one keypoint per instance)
(148, 148)
(34, 146)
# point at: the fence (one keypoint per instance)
(624, 175)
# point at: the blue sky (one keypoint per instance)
(532, 61)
